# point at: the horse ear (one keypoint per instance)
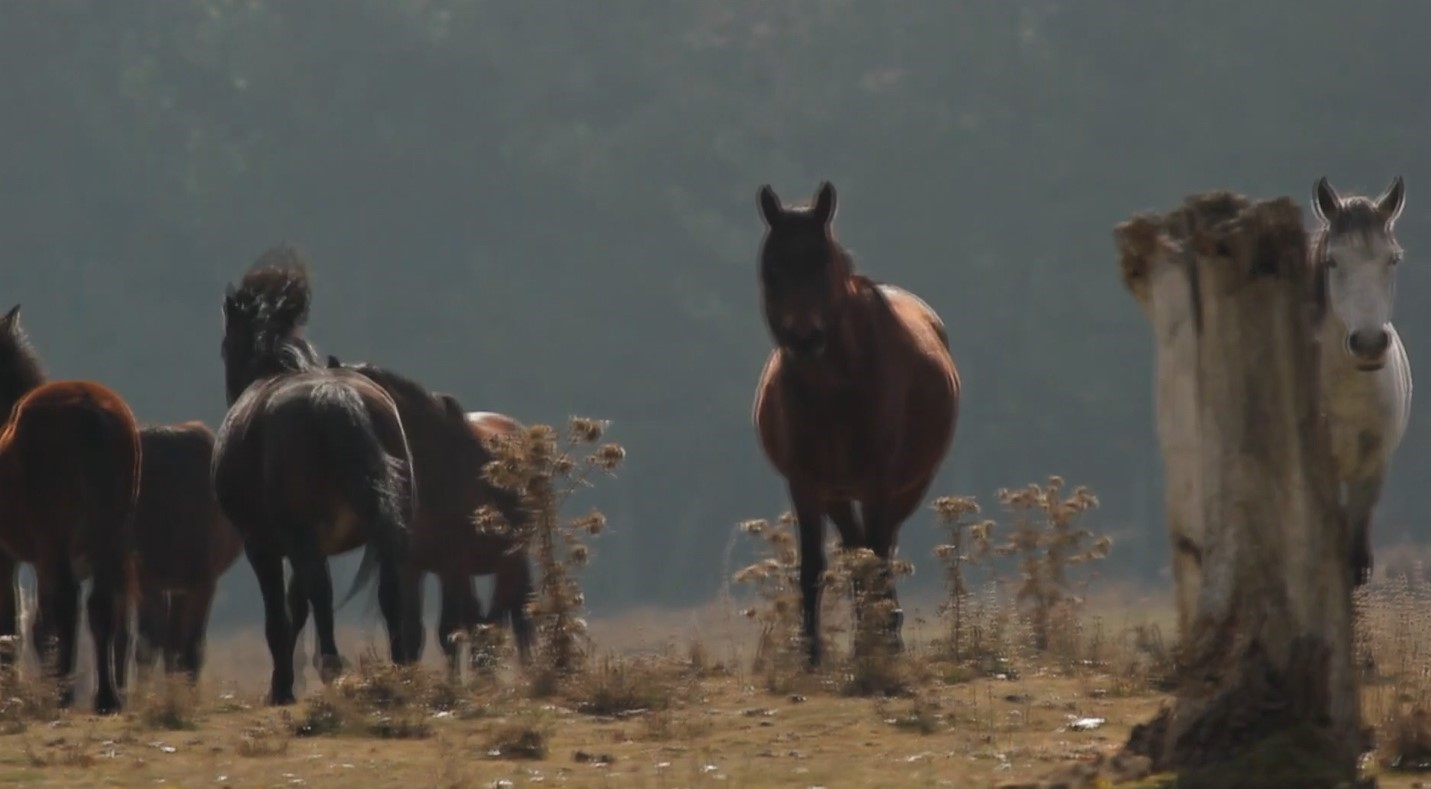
(229, 294)
(11, 321)
(1391, 202)
(825, 205)
(453, 408)
(1325, 201)
(771, 209)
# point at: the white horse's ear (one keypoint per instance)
(1391, 202)
(1325, 200)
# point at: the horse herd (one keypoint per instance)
(857, 405)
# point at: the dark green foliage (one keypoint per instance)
(549, 208)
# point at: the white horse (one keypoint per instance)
(1366, 378)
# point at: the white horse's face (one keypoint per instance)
(1360, 258)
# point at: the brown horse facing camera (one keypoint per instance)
(182, 544)
(69, 480)
(449, 455)
(308, 463)
(857, 402)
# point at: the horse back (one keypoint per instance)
(72, 460)
(182, 538)
(487, 424)
(307, 448)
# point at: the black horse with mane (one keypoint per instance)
(308, 463)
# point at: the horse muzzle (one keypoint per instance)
(1368, 348)
(804, 345)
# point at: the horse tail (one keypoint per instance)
(374, 479)
(113, 458)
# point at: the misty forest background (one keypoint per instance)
(548, 208)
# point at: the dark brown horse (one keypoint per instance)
(69, 480)
(308, 463)
(449, 455)
(183, 544)
(858, 400)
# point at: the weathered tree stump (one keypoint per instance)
(1260, 550)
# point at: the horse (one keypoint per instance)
(858, 400)
(69, 484)
(1365, 384)
(183, 544)
(308, 463)
(449, 452)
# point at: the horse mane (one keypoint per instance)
(273, 300)
(20, 368)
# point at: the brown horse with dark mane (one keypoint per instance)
(449, 454)
(857, 402)
(69, 480)
(183, 544)
(308, 463)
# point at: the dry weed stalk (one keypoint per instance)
(1047, 538)
(969, 544)
(854, 576)
(21, 699)
(1393, 630)
(545, 471)
(875, 668)
(380, 699)
(776, 578)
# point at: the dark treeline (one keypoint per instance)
(547, 208)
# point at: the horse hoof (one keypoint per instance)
(330, 668)
(107, 705)
(280, 698)
(65, 698)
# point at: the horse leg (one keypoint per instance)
(410, 595)
(108, 613)
(9, 612)
(842, 513)
(298, 617)
(122, 637)
(512, 592)
(150, 640)
(174, 631)
(883, 517)
(58, 619)
(453, 588)
(392, 594)
(1362, 496)
(268, 567)
(191, 626)
(317, 580)
(810, 513)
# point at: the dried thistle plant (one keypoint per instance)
(969, 543)
(546, 470)
(776, 578)
(1047, 538)
(875, 668)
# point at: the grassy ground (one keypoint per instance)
(673, 700)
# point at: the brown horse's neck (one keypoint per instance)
(849, 357)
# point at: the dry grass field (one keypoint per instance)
(674, 699)
(1025, 667)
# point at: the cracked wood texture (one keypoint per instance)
(1259, 546)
